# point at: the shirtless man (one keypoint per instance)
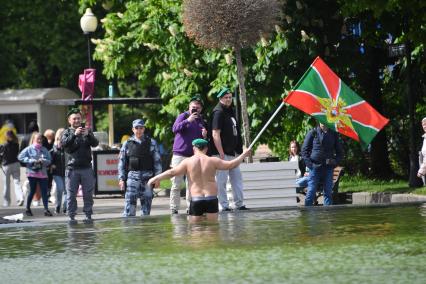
(200, 169)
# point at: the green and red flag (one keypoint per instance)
(323, 95)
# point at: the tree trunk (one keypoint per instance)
(413, 180)
(380, 164)
(243, 99)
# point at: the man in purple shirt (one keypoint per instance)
(188, 126)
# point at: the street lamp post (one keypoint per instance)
(88, 24)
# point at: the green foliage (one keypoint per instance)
(38, 49)
(145, 49)
(145, 44)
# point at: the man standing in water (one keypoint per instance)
(200, 170)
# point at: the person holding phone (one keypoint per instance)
(187, 127)
(77, 141)
(36, 158)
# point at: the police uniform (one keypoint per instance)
(139, 161)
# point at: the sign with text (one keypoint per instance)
(106, 171)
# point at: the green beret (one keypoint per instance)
(199, 143)
(73, 111)
(223, 92)
(196, 98)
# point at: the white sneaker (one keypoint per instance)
(20, 202)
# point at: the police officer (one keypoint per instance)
(139, 161)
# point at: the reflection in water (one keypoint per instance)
(81, 239)
(341, 245)
(423, 210)
(194, 235)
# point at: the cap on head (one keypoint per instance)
(73, 111)
(223, 92)
(199, 143)
(196, 98)
(138, 123)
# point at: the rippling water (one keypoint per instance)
(344, 245)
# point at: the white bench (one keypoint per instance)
(271, 184)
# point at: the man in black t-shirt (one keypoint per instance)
(226, 143)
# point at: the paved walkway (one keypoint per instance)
(104, 208)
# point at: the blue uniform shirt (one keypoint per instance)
(123, 159)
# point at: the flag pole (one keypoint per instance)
(282, 104)
(266, 125)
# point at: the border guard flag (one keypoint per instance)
(323, 95)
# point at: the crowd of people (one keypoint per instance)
(195, 140)
(32, 154)
(205, 155)
(63, 156)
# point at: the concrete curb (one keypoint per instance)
(385, 198)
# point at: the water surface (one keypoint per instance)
(345, 245)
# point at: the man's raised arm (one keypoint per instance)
(176, 171)
(227, 165)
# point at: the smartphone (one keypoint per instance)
(194, 110)
(83, 125)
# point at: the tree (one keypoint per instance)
(146, 51)
(400, 22)
(38, 50)
(231, 23)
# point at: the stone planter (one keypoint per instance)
(269, 184)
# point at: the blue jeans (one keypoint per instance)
(60, 191)
(325, 174)
(302, 181)
(43, 188)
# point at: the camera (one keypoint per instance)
(37, 166)
(194, 110)
(83, 125)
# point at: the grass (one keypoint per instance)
(166, 183)
(358, 184)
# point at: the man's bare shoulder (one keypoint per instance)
(214, 160)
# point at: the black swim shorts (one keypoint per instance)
(203, 204)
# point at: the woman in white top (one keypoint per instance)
(302, 174)
(422, 169)
(294, 155)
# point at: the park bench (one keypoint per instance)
(269, 184)
(337, 175)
